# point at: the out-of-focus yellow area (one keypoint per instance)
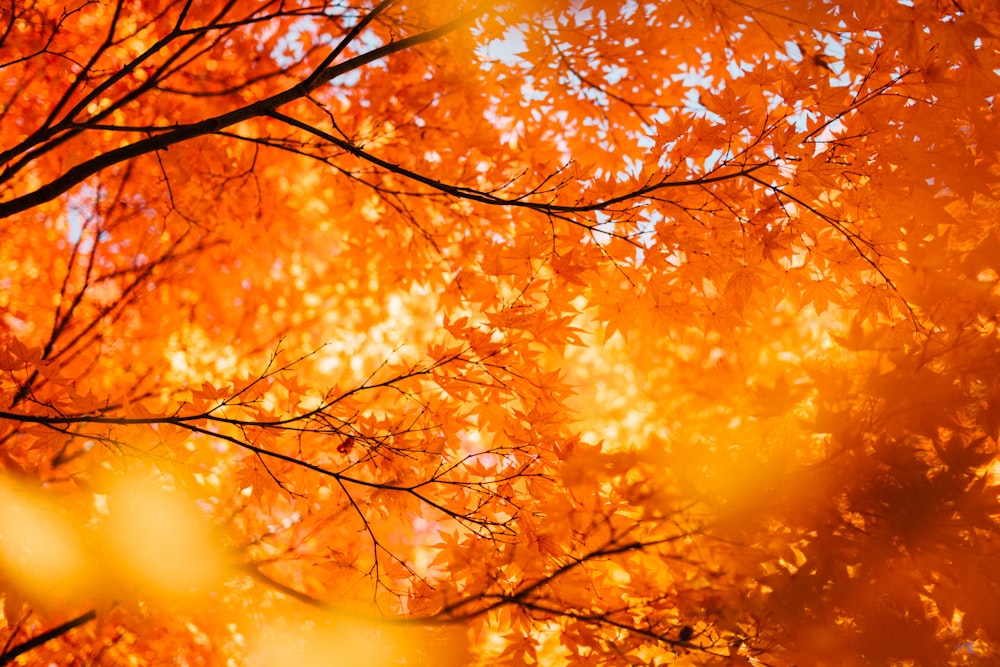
(348, 643)
(133, 539)
(158, 542)
(308, 638)
(41, 550)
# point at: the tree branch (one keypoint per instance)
(10, 655)
(180, 133)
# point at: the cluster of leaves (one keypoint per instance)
(452, 333)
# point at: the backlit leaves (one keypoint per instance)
(532, 333)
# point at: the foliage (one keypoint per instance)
(440, 333)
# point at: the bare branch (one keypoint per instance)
(10, 655)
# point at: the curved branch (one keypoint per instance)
(490, 198)
(9, 656)
(180, 133)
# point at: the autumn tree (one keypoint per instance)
(434, 332)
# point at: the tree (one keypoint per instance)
(451, 333)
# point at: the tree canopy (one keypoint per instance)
(434, 332)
